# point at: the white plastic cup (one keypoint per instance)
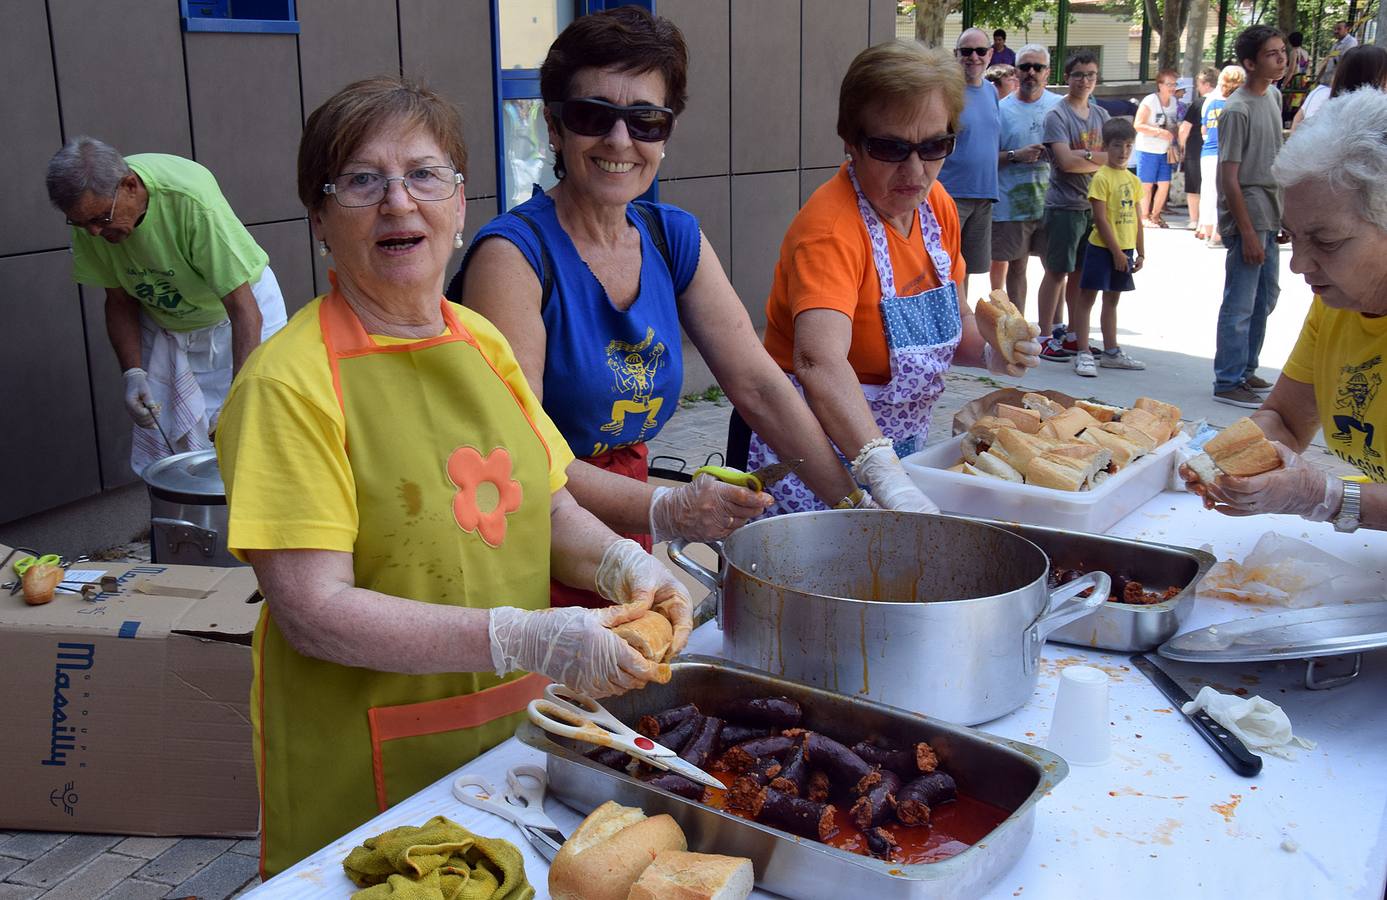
(1079, 731)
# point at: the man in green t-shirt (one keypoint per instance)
(189, 294)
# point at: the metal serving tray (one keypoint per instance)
(1002, 772)
(1122, 626)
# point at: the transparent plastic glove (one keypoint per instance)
(705, 509)
(572, 645)
(138, 399)
(883, 474)
(1027, 357)
(1297, 489)
(627, 574)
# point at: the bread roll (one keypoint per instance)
(1100, 411)
(1123, 451)
(990, 463)
(650, 635)
(1027, 420)
(981, 436)
(1018, 448)
(608, 851)
(1009, 322)
(1167, 411)
(1046, 472)
(1241, 449)
(1041, 404)
(1066, 425)
(39, 583)
(1151, 424)
(679, 875)
(1145, 442)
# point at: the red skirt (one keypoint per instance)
(631, 462)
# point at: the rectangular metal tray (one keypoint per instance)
(1122, 626)
(1002, 772)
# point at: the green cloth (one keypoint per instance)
(439, 860)
(187, 253)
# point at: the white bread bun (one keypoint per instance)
(981, 436)
(1158, 429)
(1203, 466)
(1168, 411)
(608, 851)
(1027, 420)
(991, 464)
(1067, 425)
(1018, 448)
(970, 469)
(1009, 322)
(1045, 471)
(1123, 451)
(1143, 441)
(1242, 449)
(1100, 411)
(1041, 404)
(650, 635)
(1089, 459)
(679, 875)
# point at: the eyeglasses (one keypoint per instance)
(591, 117)
(1086, 76)
(970, 51)
(1032, 67)
(99, 221)
(892, 150)
(356, 189)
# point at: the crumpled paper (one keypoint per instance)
(1284, 571)
(1258, 723)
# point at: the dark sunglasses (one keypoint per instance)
(969, 51)
(591, 117)
(893, 151)
(1032, 67)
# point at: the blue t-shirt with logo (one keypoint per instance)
(1021, 186)
(970, 172)
(1212, 110)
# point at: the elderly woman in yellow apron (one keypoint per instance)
(400, 493)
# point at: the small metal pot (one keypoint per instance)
(933, 614)
(188, 513)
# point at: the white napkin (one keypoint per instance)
(1258, 723)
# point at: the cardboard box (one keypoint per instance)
(129, 713)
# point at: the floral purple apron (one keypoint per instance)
(922, 333)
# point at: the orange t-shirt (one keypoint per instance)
(826, 263)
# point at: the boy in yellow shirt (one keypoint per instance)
(1115, 250)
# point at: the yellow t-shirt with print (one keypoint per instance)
(1343, 354)
(281, 441)
(1119, 189)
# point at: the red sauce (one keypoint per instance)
(953, 828)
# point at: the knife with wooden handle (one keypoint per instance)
(1226, 745)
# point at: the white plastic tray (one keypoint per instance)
(1093, 511)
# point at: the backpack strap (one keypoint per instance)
(656, 228)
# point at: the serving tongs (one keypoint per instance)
(573, 714)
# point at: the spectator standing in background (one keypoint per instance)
(1249, 216)
(1364, 66)
(1156, 120)
(1229, 80)
(1002, 55)
(1003, 78)
(1073, 135)
(1191, 138)
(1023, 173)
(1298, 63)
(1344, 41)
(970, 172)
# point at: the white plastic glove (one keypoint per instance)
(138, 399)
(1297, 489)
(1027, 357)
(881, 470)
(572, 645)
(705, 509)
(628, 575)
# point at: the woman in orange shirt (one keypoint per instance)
(865, 311)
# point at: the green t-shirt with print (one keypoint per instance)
(187, 253)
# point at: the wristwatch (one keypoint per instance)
(1088, 155)
(1011, 156)
(1347, 519)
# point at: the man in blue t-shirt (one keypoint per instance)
(970, 172)
(1023, 171)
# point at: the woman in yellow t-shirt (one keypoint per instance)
(400, 493)
(1334, 170)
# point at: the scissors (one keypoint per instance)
(25, 563)
(521, 804)
(757, 481)
(572, 714)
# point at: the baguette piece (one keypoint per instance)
(1009, 322)
(1158, 429)
(650, 635)
(1123, 451)
(39, 583)
(1044, 471)
(1067, 425)
(1027, 420)
(1042, 404)
(981, 436)
(1143, 441)
(1018, 448)
(1240, 449)
(1100, 411)
(608, 851)
(680, 875)
(1168, 411)
(990, 463)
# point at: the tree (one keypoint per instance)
(930, 15)
(1194, 38)
(1172, 16)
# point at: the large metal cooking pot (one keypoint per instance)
(933, 614)
(188, 515)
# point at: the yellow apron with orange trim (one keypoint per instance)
(452, 484)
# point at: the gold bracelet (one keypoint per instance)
(851, 500)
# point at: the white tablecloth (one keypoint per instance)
(1165, 817)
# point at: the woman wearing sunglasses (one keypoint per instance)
(865, 311)
(592, 288)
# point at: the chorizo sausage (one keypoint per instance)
(733, 733)
(907, 763)
(881, 843)
(794, 778)
(740, 757)
(913, 801)
(805, 818)
(679, 735)
(700, 747)
(653, 726)
(774, 712)
(677, 784)
(848, 772)
(876, 806)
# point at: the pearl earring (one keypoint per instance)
(322, 248)
(457, 240)
(662, 154)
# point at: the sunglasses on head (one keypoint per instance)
(892, 150)
(969, 51)
(1032, 67)
(591, 117)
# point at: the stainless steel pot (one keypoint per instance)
(933, 614)
(188, 513)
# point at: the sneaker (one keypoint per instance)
(1071, 345)
(1119, 360)
(1242, 395)
(1084, 365)
(1260, 385)
(1054, 351)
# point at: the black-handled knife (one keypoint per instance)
(1233, 751)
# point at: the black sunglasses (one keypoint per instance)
(591, 117)
(969, 51)
(892, 150)
(1032, 67)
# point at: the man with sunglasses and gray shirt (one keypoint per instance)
(970, 172)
